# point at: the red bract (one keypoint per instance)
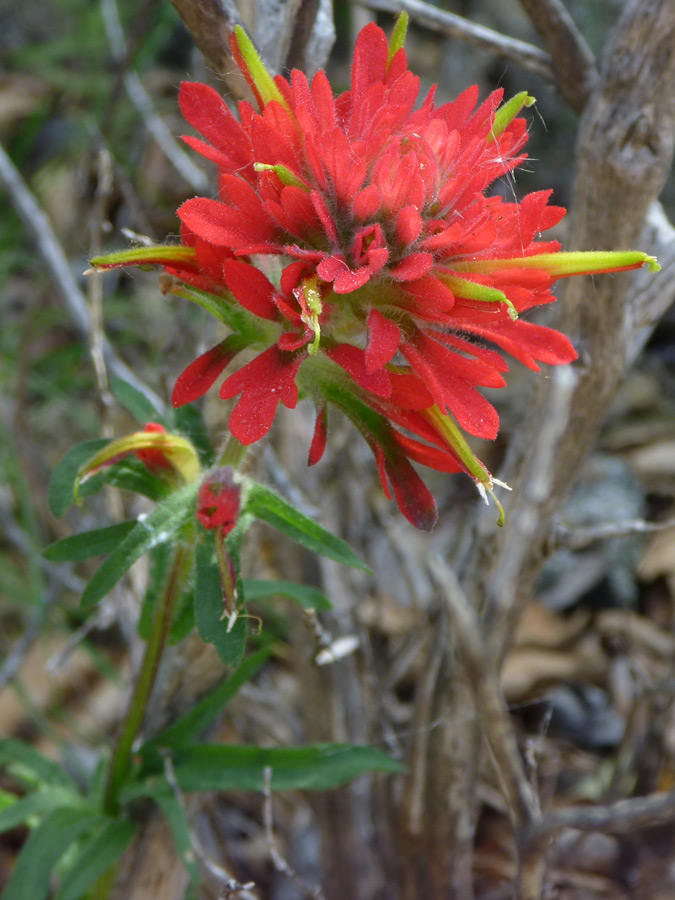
(155, 460)
(388, 268)
(218, 502)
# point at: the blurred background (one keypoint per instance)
(88, 115)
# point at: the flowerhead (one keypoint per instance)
(354, 244)
(218, 502)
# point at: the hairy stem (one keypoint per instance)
(119, 764)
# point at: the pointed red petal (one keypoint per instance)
(251, 289)
(198, 377)
(370, 59)
(383, 338)
(319, 437)
(207, 112)
(265, 381)
(352, 360)
(412, 267)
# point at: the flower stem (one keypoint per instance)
(232, 453)
(119, 764)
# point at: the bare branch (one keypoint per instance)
(580, 537)
(40, 230)
(210, 23)
(625, 153)
(622, 817)
(313, 892)
(526, 55)
(141, 100)
(484, 683)
(229, 886)
(504, 600)
(572, 60)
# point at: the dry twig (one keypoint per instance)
(526, 55)
(572, 60)
(228, 886)
(576, 538)
(194, 176)
(313, 892)
(40, 231)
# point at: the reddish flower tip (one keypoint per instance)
(218, 501)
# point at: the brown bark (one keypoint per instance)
(624, 153)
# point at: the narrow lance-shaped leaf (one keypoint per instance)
(216, 767)
(156, 527)
(269, 507)
(60, 494)
(30, 766)
(44, 848)
(137, 403)
(196, 719)
(209, 609)
(179, 826)
(97, 853)
(89, 543)
(38, 803)
(307, 596)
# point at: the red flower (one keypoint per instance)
(155, 460)
(389, 269)
(218, 502)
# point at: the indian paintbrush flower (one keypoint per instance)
(217, 510)
(354, 246)
(169, 456)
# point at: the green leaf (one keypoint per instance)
(62, 482)
(29, 766)
(39, 803)
(308, 597)
(223, 767)
(180, 829)
(137, 403)
(183, 620)
(43, 849)
(131, 474)
(196, 719)
(230, 645)
(89, 543)
(159, 558)
(269, 507)
(188, 421)
(156, 528)
(96, 854)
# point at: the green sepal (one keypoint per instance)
(565, 263)
(397, 39)
(261, 78)
(481, 293)
(157, 255)
(507, 113)
(284, 174)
